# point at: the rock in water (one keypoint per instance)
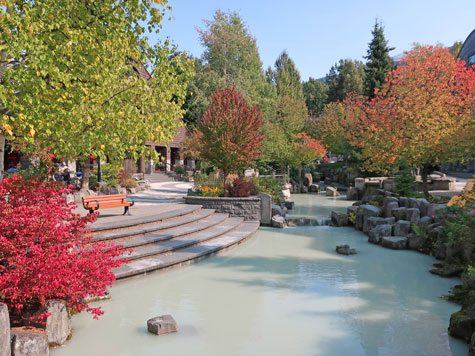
(162, 324)
(4, 331)
(346, 250)
(29, 341)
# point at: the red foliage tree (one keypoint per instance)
(44, 253)
(423, 115)
(310, 149)
(228, 135)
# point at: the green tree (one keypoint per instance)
(379, 63)
(231, 56)
(75, 83)
(345, 77)
(456, 47)
(286, 77)
(316, 95)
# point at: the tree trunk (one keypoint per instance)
(2, 154)
(425, 187)
(86, 172)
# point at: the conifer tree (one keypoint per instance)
(379, 62)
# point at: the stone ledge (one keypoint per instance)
(248, 208)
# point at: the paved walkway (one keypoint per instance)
(161, 197)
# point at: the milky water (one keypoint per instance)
(282, 292)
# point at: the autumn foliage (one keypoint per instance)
(423, 114)
(44, 253)
(310, 149)
(228, 135)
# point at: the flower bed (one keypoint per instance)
(248, 208)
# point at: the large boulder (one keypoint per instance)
(404, 202)
(277, 210)
(425, 221)
(117, 189)
(374, 221)
(339, 219)
(58, 324)
(4, 331)
(413, 215)
(412, 203)
(378, 232)
(278, 221)
(363, 213)
(303, 189)
(402, 228)
(471, 347)
(416, 242)
(352, 193)
(307, 179)
(400, 213)
(331, 192)
(162, 324)
(423, 205)
(314, 188)
(394, 242)
(28, 342)
(289, 204)
(286, 193)
(389, 208)
(462, 324)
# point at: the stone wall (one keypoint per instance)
(248, 208)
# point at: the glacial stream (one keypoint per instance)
(283, 292)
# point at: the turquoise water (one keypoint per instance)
(282, 292)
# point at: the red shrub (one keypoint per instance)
(44, 253)
(239, 188)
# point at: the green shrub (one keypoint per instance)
(180, 170)
(269, 185)
(405, 182)
(110, 172)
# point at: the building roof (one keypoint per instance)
(467, 52)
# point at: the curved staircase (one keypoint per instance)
(173, 238)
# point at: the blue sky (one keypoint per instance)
(316, 34)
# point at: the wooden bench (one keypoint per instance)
(94, 203)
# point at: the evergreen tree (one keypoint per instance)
(347, 76)
(379, 62)
(316, 95)
(286, 77)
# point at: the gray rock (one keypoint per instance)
(266, 208)
(352, 193)
(413, 215)
(58, 324)
(307, 179)
(412, 203)
(289, 204)
(433, 208)
(277, 210)
(471, 348)
(117, 189)
(394, 242)
(29, 342)
(278, 221)
(374, 221)
(369, 211)
(415, 242)
(400, 213)
(332, 192)
(132, 190)
(389, 208)
(4, 331)
(286, 193)
(401, 228)
(82, 193)
(346, 250)
(378, 232)
(403, 202)
(425, 221)
(388, 200)
(314, 188)
(339, 219)
(423, 206)
(303, 189)
(162, 324)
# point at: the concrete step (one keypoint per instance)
(184, 241)
(128, 222)
(190, 254)
(158, 178)
(155, 226)
(171, 233)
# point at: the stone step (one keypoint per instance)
(155, 226)
(174, 232)
(188, 255)
(184, 241)
(128, 221)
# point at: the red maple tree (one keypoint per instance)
(45, 252)
(423, 115)
(228, 135)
